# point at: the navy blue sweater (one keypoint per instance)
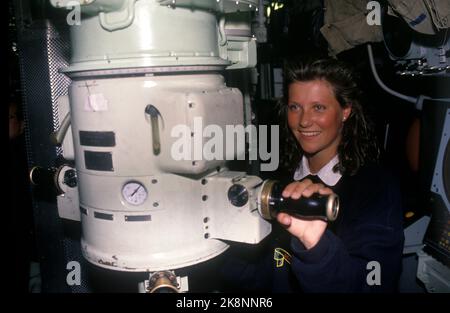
(369, 228)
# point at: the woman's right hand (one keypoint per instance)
(308, 232)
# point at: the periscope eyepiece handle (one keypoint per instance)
(317, 206)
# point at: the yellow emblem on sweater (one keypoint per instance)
(280, 255)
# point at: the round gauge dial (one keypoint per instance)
(238, 195)
(134, 193)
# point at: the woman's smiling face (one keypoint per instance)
(316, 118)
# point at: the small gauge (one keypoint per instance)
(134, 193)
(238, 195)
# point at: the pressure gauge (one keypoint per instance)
(134, 193)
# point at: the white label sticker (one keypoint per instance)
(96, 102)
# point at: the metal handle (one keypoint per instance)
(111, 26)
(156, 141)
(222, 34)
(58, 136)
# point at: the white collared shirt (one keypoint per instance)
(326, 173)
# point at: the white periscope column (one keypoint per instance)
(139, 70)
(136, 213)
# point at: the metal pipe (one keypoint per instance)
(382, 85)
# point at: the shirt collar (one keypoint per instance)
(326, 173)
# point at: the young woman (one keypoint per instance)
(330, 148)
